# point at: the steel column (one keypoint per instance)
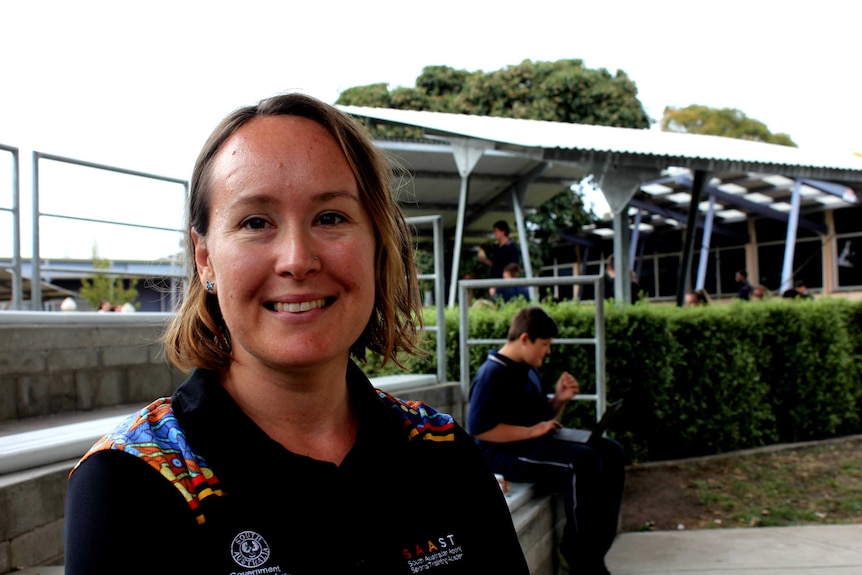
(790, 245)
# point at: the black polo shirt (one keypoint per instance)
(402, 501)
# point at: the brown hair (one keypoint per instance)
(513, 269)
(198, 335)
(535, 322)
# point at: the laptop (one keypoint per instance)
(586, 435)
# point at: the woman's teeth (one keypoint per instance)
(302, 306)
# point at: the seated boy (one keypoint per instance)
(514, 422)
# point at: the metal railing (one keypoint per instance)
(36, 272)
(439, 285)
(599, 397)
(15, 210)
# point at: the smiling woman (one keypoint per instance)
(277, 453)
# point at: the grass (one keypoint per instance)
(817, 484)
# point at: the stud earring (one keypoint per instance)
(210, 285)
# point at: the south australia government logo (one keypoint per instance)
(249, 549)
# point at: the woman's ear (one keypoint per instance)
(202, 259)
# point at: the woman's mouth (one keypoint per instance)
(296, 307)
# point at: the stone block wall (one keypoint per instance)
(31, 524)
(49, 368)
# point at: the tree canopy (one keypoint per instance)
(561, 91)
(728, 122)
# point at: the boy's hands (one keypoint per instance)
(545, 427)
(567, 387)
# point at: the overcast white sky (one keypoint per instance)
(140, 85)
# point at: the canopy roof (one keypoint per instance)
(432, 184)
(665, 202)
(490, 167)
(516, 147)
(513, 165)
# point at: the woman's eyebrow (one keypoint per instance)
(335, 195)
(268, 199)
(261, 199)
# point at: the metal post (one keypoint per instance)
(633, 247)
(467, 154)
(691, 227)
(704, 245)
(790, 244)
(17, 281)
(35, 271)
(622, 277)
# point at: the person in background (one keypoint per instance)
(512, 271)
(514, 423)
(505, 252)
(744, 288)
(697, 298)
(277, 455)
(799, 290)
(759, 293)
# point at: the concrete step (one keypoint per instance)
(35, 442)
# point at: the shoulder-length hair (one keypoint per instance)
(198, 335)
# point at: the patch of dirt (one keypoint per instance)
(656, 498)
(812, 483)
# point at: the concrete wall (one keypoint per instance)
(80, 362)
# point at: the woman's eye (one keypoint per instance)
(254, 223)
(330, 219)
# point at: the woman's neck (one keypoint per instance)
(308, 412)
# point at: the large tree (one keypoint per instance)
(561, 91)
(728, 122)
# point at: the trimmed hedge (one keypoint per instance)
(698, 381)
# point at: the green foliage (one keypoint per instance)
(103, 287)
(728, 122)
(561, 91)
(704, 380)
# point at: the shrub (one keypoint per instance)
(697, 381)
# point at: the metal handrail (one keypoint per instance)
(437, 225)
(599, 340)
(15, 209)
(36, 272)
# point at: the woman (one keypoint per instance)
(276, 455)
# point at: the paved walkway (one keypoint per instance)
(809, 550)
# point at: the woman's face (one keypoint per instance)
(290, 246)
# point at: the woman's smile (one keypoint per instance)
(295, 307)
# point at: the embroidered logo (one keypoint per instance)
(436, 552)
(249, 549)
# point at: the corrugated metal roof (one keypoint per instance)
(583, 137)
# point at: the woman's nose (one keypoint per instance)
(296, 255)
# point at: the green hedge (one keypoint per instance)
(699, 381)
